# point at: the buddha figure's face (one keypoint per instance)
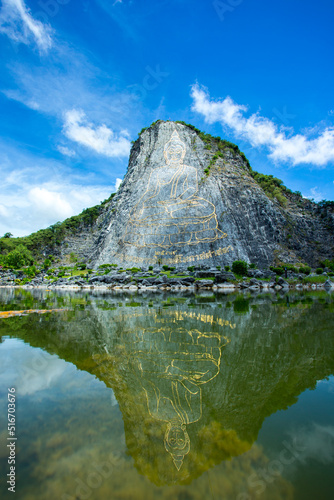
(177, 442)
(174, 154)
(177, 438)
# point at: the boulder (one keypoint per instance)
(223, 277)
(204, 283)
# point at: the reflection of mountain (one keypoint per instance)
(163, 364)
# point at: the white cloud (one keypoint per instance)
(19, 25)
(43, 199)
(4, 211)
(315, 195)
(30, 208)
(118, 183)
(66, 151)
(101, 138)
(44, 191)
(71, 81)
(261, 131)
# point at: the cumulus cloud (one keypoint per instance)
(101, 138)
(118, 183)
(19, 25)
(29, 208)
(42, 198)
(44, 191)
(260, 131)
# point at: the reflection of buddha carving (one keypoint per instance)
(172, 365)
(169, 212)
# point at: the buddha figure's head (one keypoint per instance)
(174, 150)
(177, 442)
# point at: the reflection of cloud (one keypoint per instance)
(44, 378)
(18, 24)
(317, 443)
(29, 370)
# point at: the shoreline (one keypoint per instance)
(177, 288)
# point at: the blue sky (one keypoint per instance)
(79, 79)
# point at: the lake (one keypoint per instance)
(161, 396)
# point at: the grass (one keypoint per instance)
(201, 279)
(170, 275)
(77, 272)
(315, 279)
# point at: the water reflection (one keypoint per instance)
(195, 379)
(172, 365)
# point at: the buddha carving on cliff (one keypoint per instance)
(170, 213)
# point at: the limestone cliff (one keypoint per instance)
(186, 201)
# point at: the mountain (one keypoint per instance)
(192, 199)
(189, 199)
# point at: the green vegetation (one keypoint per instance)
(222, 144)
(280, 269)
(105, 266)
(18, 257)
(272, 186)
(240, 267)
(167, 268)
(47, 264)
(328, 263)
(315, 279)
(30, 247)
(241, 305)
(319, 270)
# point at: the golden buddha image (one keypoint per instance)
(169, 213)
(171, 366)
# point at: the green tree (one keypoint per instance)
(47, 264)
(19, 257)
(240, 267)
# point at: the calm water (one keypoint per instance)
(174, 397)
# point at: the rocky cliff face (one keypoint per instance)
(182, 204)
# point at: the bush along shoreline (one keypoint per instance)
(241, 276)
